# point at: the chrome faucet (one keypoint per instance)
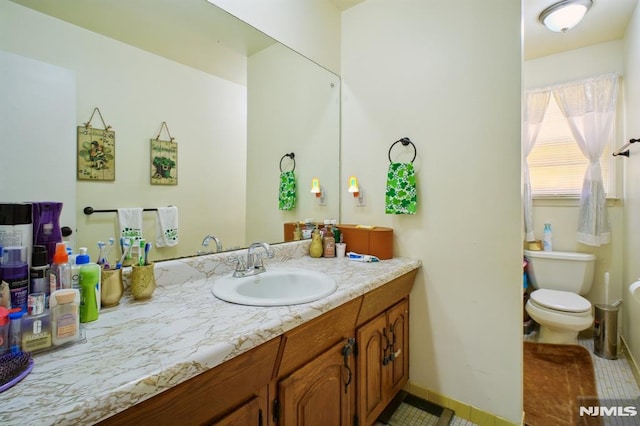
(205, 243)
(254, 264)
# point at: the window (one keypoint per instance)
(556, 164)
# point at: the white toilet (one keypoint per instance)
(560, 278)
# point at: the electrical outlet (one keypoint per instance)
(360, 199)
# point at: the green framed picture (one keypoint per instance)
(164, 162)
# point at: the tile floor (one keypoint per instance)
(614, 379)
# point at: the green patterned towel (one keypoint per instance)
(287, 191)
(401, 196)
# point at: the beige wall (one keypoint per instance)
(137, 91)
(563, 214)
(309, 27)
(631, 306)
(293, 106)
(447, 75)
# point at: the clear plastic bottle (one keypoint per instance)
(547, 238)
(15, 331)
(60, 274)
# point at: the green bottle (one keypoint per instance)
(89, 287)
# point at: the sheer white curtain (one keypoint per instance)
(589, 107)
(535, 105)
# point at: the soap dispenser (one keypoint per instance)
(297, 232)
(316, 249)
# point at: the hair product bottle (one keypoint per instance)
(15, 272)
(39, 273)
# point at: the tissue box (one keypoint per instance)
(377, 241)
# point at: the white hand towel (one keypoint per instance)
(130, 222)
(167, 227)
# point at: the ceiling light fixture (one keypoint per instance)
(564, 15)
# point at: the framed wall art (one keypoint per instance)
(96, 156)
(164, 160)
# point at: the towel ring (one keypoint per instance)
(293, 157)
(404, 141)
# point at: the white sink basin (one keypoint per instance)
(275, 287)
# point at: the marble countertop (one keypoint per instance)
(138, 349)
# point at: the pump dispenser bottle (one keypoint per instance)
(60, 276)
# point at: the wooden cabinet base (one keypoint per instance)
(303, 373)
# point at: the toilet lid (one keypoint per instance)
(560, 300)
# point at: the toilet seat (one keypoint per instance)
(563, 301)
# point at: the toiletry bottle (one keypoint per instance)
(39, 273)
(75, 271)
(89, 287)
(337, 235)
(15, 331)
(4, 330)
(36, 325)
(316, 249)
(547, 243)
(60, 275)
(15, 272)
(16, 226)
(65, 318)
(308, 229)
(328, 241)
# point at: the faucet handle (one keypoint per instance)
(240, 266)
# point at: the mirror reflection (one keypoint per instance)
(235, 101)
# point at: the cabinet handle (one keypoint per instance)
(386, 359)
(393, 355)
(347, 350)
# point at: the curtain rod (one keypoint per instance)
(624, 149)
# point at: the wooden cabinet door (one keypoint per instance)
(398, 326)
(317, 394)
(372, 344)
(248, 414)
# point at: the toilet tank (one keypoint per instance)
(561, 270)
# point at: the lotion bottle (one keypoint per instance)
(316, 249)
(89, 287)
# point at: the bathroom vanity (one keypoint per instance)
(186, 356)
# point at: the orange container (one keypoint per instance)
(377, 241)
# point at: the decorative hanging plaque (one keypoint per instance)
(164, 160)
(96, 155)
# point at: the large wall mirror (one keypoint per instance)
(235, 100)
